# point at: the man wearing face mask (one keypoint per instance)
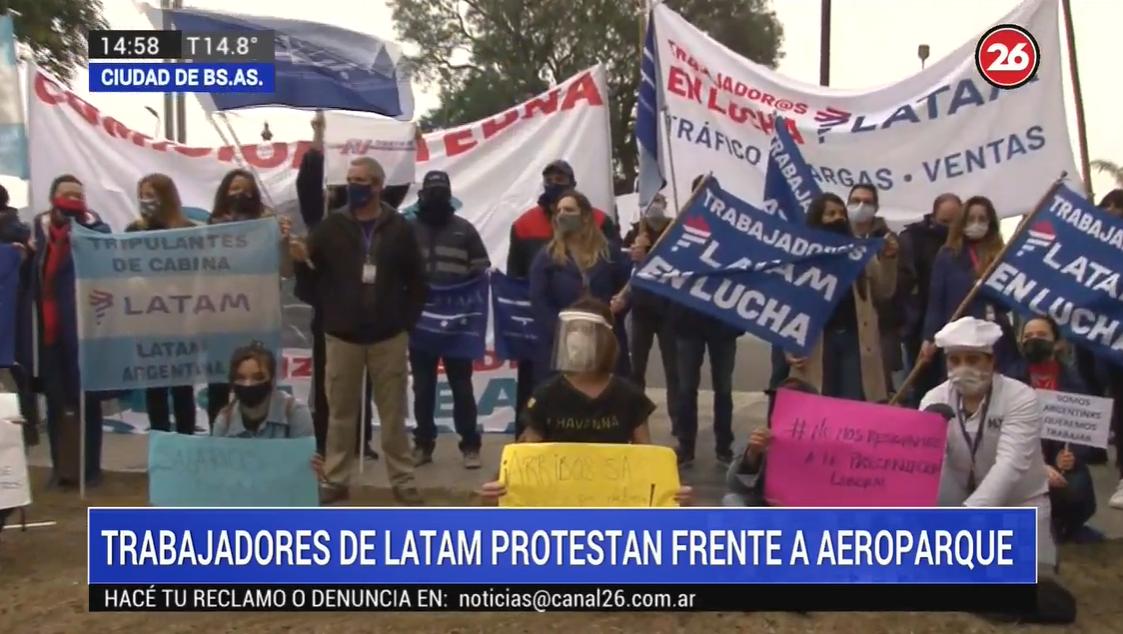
(453, 253)
(532, 231)
(861, 207)
(368, 276)
(993, 456)
(650, 313)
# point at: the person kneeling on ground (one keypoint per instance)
(745, 478)
(259, 409)
(585, 402)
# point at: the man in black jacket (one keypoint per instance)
(366, 271)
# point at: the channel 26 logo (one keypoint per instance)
(1007, 56)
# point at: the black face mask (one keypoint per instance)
(839, 226)
(252, 395)
(1038, 350)
(434, 207)
(241, 205)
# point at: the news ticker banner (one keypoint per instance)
(243, 77)
(482, 559)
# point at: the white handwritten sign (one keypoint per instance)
(14, 488)
(1075, 418)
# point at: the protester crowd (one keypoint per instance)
(367, 270)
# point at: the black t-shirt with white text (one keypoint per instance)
(559, 412)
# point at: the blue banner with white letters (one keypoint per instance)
(10, 261)
(453, 324)
(789, 184)
(760, 273)
(515, 334)
(567, 546)
(165, 308)
(1066, 264)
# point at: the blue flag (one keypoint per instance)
(789, 185)
(775, 279)
(651, 178)
(317, 65)
(9, 297)
(453, 323)
(515, 333)
(13, 137)
(1067, 265)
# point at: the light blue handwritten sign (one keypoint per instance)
(205, 471)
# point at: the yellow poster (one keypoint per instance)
(588, 475)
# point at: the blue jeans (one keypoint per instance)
(59, 372)
(842, 365)
(723, 356)
(459, 374)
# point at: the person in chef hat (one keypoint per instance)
(993, 456)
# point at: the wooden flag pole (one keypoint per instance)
(1078, 97)
(922, 362)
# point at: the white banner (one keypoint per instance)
(1075, 418)
(74, 137)
(942, 130)
(348, 137)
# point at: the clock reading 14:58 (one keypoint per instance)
(134, 44)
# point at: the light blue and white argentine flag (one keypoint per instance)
(13, 136)
(648, 139)
(170, 307)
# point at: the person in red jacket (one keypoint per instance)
(532, 231)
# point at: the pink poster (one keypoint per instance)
(833, 452)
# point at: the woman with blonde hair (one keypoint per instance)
(577, 262)
(160, 209)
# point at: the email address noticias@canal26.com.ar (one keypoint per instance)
(584, 599)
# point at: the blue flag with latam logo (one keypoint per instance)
(789, 184)
(515, 334)
(453, 324)
(1066, 265)
(757, 272)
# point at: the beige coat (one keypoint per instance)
(881, 282)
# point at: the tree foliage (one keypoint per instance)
(55, 30)
(1111, 168)
(488, 55)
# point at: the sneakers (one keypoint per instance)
(407, 495)
(332, 494)
(685, 458)
(472, 460)
(1117, 497)
(369, 453)
(725, 458)
(422, 456)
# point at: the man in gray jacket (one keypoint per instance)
(453, 253)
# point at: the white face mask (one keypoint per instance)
(975, 230)
(969, 381)
(861, 212)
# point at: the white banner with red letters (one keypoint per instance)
(944, 129)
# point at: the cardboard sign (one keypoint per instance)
(15, 489)
(588, 475)
(1075, 418)
(834, 452)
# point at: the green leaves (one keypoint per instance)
(488, 55)
(56, 31)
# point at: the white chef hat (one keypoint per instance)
(969, 333)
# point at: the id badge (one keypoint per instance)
(369, 271)
(991, 315)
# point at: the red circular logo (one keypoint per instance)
(1007, 56)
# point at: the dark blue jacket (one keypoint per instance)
(15, 231)
(64, 284)
(1069, 381)
(554, 287)
(953, 275)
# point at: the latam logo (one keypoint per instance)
(695, 231)
(1041, 234)
(101, 302)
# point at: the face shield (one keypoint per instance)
(584, 343)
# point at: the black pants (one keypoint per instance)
(780, 368)
(930, 376)
(320, 410)
(645, 328)
(183, 402)
(523, 392)
(1074, 504)
(62, 390)
(218, 397)
(459, 373)
(723, 358)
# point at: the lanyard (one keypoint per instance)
(971, 484)
(368, 240)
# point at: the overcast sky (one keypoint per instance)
(874, 42)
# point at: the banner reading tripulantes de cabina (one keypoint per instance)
(170, 307)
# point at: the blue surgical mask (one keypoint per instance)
(359, 195)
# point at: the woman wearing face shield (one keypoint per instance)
(160, 208)
(584, 401)
(577, 262)
(993, 456)
(259, 409)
